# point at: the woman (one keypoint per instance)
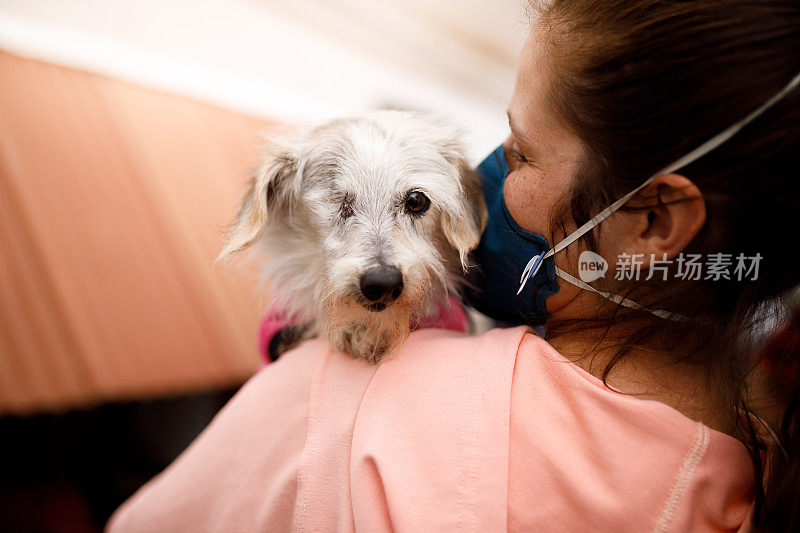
(641, 409)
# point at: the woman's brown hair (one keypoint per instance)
(642, 83)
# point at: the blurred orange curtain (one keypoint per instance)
(112, 200)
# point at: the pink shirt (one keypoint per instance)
(454, 433)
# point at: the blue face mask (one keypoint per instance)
(502, 255)
(516, 272)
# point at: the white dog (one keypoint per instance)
(366, 224)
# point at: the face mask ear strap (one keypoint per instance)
(619, 299)
(536, 262)
(691, 157)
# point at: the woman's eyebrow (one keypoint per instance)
(515, 131)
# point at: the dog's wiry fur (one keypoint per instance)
(329, 203)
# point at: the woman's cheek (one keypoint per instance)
(529, 200)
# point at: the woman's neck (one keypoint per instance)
(645, 372)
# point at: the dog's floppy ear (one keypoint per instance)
(270, 186)
(464, 227)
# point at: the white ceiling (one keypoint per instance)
(292, 59)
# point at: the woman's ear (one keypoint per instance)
(272, 185)
(672, 212)
(464, 227)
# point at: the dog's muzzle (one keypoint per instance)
(381, 285)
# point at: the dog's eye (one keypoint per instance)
(346, 211)
(417, 203)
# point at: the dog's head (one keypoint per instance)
(368, 216)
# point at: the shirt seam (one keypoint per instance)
(682, 479)
(308, 452)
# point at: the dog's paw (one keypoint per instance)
(361, 343)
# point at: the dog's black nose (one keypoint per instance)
(382, 284)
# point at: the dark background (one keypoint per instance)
(68, 473)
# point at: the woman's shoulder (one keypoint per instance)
(454, 432)
(506, 418)
(300, 441)
(430, 440)
(616, 461)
